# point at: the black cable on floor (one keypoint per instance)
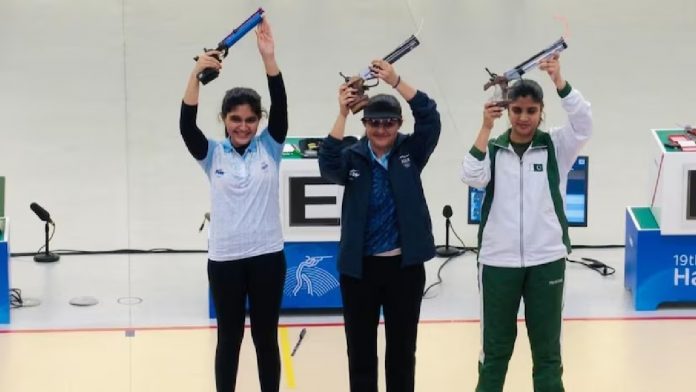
(594, 265)
(462, 250)
(610, 246)
(72, 252)
(16, 299)
(439, 278)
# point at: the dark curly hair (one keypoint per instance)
(241, 96)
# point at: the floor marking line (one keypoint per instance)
(330, 324)
(287, 358)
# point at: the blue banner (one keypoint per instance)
(311, 279)
(4, 283)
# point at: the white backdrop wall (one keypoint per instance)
(90, 98)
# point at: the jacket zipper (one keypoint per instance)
(522, 210)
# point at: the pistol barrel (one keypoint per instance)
(240, 31)
(533, 61)
(404, 48)
(396, 54)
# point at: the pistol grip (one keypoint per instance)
(357, 83)
(359, 104)
(208, 75)
(361, 99)
(503, 104)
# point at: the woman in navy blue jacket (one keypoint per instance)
(386, 233)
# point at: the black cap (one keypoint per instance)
(382, 106)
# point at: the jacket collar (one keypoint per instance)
(540, 139)
(363, 148)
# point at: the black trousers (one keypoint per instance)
(260, 279)
(398, 291)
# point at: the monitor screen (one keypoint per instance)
(576, 196)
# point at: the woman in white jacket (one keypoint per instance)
(523, 235)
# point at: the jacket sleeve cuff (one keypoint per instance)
(565, 90)
(331, 140)
(476, 153)
(275, 78)
(419, 100)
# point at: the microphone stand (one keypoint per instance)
(447, 250)
(46, 257)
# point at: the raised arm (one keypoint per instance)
(332, 159)
(194, 138)
(570, 138)
(278, 113)
(476, 167)
(385, 71)
(426, 131)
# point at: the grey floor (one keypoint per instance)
(173, 290)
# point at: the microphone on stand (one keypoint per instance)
(46, 257)
(447, 250)
(41, 213)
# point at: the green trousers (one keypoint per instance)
(501, 289)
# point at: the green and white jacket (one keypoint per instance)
(523, 222)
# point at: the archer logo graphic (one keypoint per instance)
(308, 277)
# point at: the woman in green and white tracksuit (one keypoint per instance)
(523, 235)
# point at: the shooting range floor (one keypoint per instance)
(599, 355)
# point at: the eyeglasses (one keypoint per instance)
(384, 122)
